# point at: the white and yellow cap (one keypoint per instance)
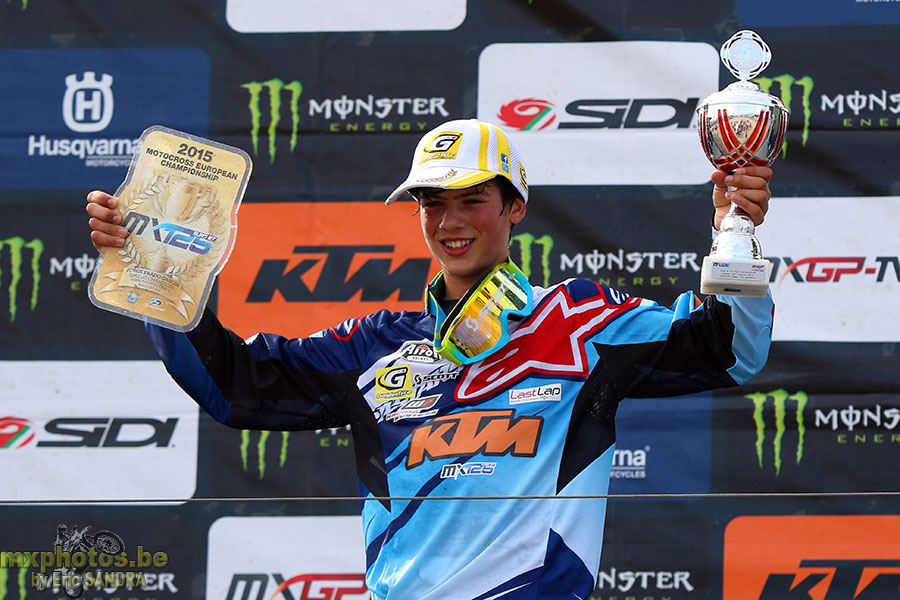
(463, 153)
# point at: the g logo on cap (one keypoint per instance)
(442, 142)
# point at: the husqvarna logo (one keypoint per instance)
(88, 103)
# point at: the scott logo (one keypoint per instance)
(274, 88)
(486, 432)
(16, 246)
(15, 432)
(530, 114)
(88, 103)
(374, 279)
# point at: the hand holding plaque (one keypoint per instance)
(740, 126)
(179, 202)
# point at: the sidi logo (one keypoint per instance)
(485, 432)
(88, 102)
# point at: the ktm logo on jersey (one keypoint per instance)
(487, 432)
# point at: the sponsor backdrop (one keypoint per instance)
(329, 99)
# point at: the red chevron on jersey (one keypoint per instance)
(542, 345)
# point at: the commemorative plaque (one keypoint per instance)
(179, 202)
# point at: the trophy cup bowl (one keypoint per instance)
(740, 126)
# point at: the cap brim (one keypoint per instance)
(447, 178)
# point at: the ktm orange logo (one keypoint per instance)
(487, 432)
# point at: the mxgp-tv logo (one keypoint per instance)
(88, 102)
(323, 586)
(831, 269)
(786, 407)
(851, 557)
(20, 273)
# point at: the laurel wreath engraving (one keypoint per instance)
(151, 193)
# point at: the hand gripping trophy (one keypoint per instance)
(740, 126)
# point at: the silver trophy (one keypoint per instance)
(740, 126)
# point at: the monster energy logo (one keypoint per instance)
(261, 450)
(16, 246)
(273, 87)
(24, 6)
(786, 85)
(780, 399)
(21, 578)
(526, 242)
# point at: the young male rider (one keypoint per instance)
(510, 392)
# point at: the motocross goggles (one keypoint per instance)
(477, 326)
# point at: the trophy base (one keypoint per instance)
(735, 276)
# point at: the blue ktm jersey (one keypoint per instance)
(536, 418)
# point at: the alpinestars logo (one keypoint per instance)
(786, 85)
(273, 89)
(530, 114)
(20, 262)
(530, 342)
(781, 401)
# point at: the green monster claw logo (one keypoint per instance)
(16, 245)
(5, 580)
(261, 450)
(274, 88)
(786, 85)
(780, 398)
(526, 242)
(24, 6)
